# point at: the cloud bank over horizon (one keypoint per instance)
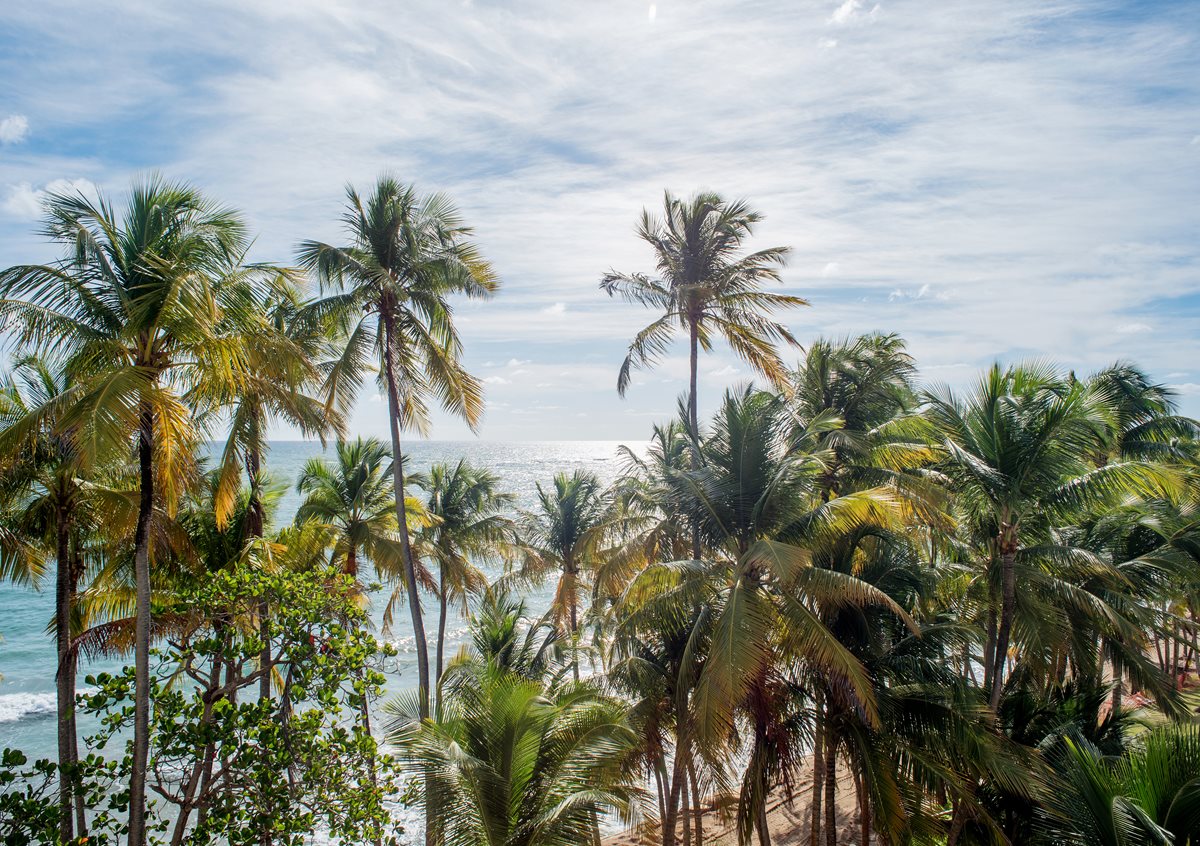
(990, 180)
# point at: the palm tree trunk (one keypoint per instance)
(81, 827)
(958, 822)
(141, 566)
(571, 597)
(65, 679)
(697, 800)
(864, 809)
(410, 569)
(660, 782)
(1176, 637)
(764, 826)
(694, 363)
(989, 646)
(441, 635)
(830, 785)
(255, 523)
(1007, 607)
(1118, 685)
(677, 778)
(818, 784)
(693, 420)
(685, 809)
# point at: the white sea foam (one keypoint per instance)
(19, 706)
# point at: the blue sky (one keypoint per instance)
(992, 180)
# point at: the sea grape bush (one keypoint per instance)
(228, 765)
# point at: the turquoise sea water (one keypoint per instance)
(27, 700)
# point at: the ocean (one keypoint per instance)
(27, 658)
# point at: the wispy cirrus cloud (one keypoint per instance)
(1030, 166)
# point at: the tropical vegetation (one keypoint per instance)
(845, 607)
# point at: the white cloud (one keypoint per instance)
(917, 153)
(24, 202)
(517, 362)
(652, 13)
(921, 293)
(827, 43)
(1186, 389)
(497, 380)
(13, 129)
(852, 10)
(555, 310)
(727, 370)
(1134, 328)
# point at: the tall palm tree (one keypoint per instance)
(42, 472)
(407, 255)
(754, 499)
(706, 287)
(282, 353)
(563, 536)
(466, 526)
(147, 311)
(515, 759)
(849, 399)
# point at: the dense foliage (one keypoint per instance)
(918, 615)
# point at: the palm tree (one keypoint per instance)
(563, 537)
(849, 399)
(1015, 454)
(1149, 795)
(282, 353)
(1146, 424)
(501, 636)
(354, 498)
(465, 526)
(42, 473)
(147, 312)
(515, 760)
(862, 386)
(22, 557)
(754, 499)
(706, 287)
(407, 255)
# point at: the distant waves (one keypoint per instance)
(20, 706)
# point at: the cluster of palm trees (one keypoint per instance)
(960, 609)
(151, 333)
(919, 597)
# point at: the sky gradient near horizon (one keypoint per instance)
(991, 180)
